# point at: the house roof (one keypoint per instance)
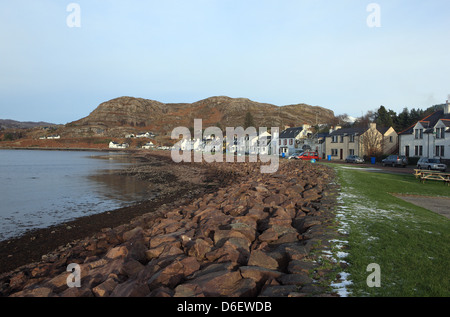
(429, 121)
(383, 130)
(446, 122)
(357, 131)
(322, 135)
(290, 133)
(347, 131)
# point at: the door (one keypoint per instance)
(341, 154)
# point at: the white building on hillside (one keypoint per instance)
(148, 145)
(115, 145)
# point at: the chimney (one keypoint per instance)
(372, 125)
(446, 106)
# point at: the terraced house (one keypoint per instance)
(361, 141)
(429, 137)
(290, 139)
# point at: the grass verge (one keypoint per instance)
(410, 244)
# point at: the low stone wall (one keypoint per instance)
(257, 237)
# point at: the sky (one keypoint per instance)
(60, 59)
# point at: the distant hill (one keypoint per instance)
(12, 124)
(127, 114)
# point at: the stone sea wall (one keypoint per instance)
(259, 236)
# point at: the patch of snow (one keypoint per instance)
(341, 287)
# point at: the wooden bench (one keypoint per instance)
(424, 175)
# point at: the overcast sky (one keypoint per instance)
(319, 52)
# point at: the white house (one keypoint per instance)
(115, 145)
(148, 145)
(145, 135)
(260, 144)
(191, 144)
(53, 137)
(429, 137)
(290, 139)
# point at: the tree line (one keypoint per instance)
(386, 118)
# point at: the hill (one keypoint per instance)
(12, 124)
(122, 115)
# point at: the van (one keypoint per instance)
(307, 156)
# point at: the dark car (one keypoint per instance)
(431, 164)
(395, 160)
(354, 159)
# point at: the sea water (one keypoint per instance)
(43, 188)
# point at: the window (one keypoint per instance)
(442, 150)
(285, 142)
(420, 150)
(334, 152)
(416, 150)
(442, 133)
(334, 139)
(436, 151)
(407, 150)
(342, 139)
(351, 152)
(438, 133)
(291, 141)
(391, 139)
(351, 138)
(439, 150)
(418, 133)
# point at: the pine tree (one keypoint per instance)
(248, 122)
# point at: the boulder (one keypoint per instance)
(261, 259)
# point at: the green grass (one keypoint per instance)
(411, 244)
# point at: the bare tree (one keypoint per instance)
(372, 142)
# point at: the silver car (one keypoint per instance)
(295, 155)
(431, 164)
(395, 160)
(354, 159)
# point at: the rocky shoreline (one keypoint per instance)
(243, 234)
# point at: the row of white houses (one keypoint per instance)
(246, 144)
(51, 137)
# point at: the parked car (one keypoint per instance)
(395, 160)
(431, 164)
(354, 159)
(294, 156)
(307, 156)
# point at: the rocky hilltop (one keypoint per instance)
(122, 115)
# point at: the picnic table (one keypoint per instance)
(424, 175)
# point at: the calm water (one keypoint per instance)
(42, 188)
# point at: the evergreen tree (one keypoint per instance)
(403, 120)
(383, 118)
(248, 122)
